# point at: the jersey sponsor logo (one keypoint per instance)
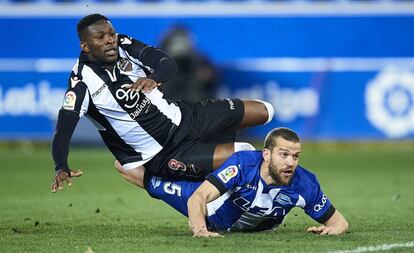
(283, 199)
(228, 173)
(319, 207)
(140, 107)
(69, 101)
(99, 90)
(129, 97)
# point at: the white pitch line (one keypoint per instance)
(383, 247)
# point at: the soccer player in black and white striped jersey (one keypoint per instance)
(115, 83)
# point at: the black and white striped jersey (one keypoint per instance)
(135, 126)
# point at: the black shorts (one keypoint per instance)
(214, 122)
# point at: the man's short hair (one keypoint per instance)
(87, 21)
(284, 132)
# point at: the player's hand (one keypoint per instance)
(143, 84)
(206, 233)
(62, 176)
(203, 232)
(323, 230)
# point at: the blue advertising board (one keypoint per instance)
(329, 76)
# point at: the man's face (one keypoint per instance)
(283, 161)
(101, 42)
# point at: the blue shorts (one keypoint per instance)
(173, 192)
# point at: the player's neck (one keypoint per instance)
(110, 67)
(264, 174)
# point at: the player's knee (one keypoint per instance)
(134, 176)
(270, 110)
(119, 167)
(239, 146)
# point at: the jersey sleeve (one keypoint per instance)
(76, 97)
(161, 66)
(75, 104)
(318, 206)
(227, 176)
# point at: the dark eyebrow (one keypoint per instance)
(97, 32)
(283, 149)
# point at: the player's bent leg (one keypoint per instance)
(173, 192)
(134, 176)
(223, 151)
(256, 112)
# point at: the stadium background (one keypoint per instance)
(340, 73)
(339, 70)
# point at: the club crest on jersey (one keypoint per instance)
(69, 101)
(228, 173)
(283, 199)
(125, 65)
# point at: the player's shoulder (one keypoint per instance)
(78, 69)
(126, 41)
(241, 167)
(304, 174)
(248, 157)
(75, 80)
(303, 179)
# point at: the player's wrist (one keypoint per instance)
(60, 170)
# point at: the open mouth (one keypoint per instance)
(287, 173)
(111, 51)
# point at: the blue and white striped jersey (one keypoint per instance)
(247, 203)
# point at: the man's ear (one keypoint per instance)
(84, 46)
(266, 155)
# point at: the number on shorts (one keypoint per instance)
(176, 165)
(172, 188)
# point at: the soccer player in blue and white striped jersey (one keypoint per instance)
(251, 191)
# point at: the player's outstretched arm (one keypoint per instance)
(65, 126)
(336, 225)
(197, 209)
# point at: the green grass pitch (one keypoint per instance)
(371, 184)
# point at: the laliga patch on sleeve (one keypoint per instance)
(70, 100)
(228, 173)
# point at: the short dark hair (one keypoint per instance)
(284, 132)
(87, 21)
